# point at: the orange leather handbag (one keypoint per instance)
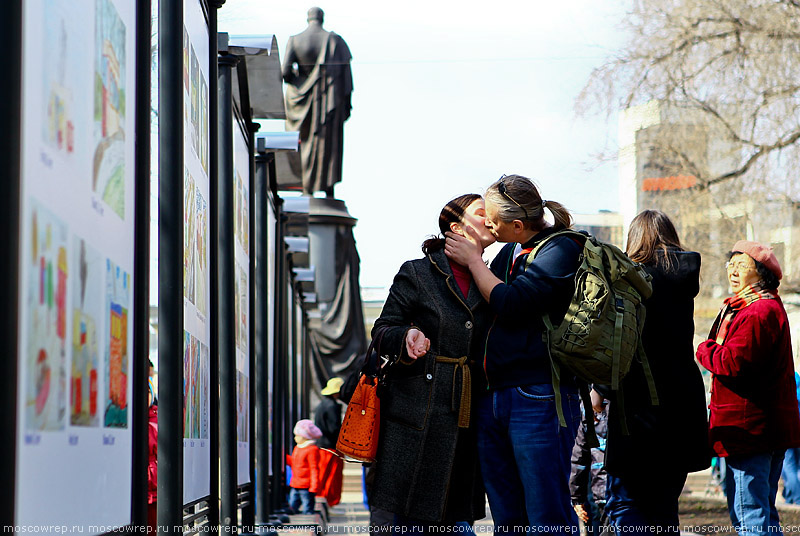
(358, 437)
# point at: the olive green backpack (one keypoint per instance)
(600, 335)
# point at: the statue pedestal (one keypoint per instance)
(330, 235)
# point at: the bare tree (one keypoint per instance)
(735, 61)
(724, 155)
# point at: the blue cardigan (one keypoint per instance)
(516, 354)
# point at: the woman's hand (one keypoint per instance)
(417, 344)
(463, 249)
(582, 512)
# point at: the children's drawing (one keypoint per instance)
(195, 388)
(241, 211)
(201, 253)
(87, 310)
(242, 407)
(47, 270)
(203, 123)
(189, 236)
(241, 308)
(59, 86)
(109, 107)
(117, 357)
(195, 102)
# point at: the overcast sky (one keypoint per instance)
(448, 98)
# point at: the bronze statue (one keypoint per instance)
(319, 84)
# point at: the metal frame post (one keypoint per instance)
(141, 240)
(170, 268)
(226, 323)
(260, 318)
(10, 147)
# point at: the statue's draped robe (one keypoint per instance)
(318, 109)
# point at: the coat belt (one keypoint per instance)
(466, 387)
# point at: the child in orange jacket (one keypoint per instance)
(305, 467)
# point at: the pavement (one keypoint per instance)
(351, 516)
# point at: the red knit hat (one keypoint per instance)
(760, 253)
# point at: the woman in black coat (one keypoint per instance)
(648, 468)
(434, 323)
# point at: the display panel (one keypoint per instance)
(196, 272)
(272, 315)
(74, 440)
(241, 255)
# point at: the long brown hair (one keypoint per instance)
(452, 212)
(652, 231)
(522, 201)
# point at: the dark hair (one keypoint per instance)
(452, 212)
(769, 281)
(522, 201)
(652, 231)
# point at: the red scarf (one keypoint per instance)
(735, 303)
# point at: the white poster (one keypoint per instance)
(196, 276)
(272, 314)
(241, 232)
(74, 441)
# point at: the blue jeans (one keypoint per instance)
(791, 476)
(525, 456)
(645, 505)
(301, 501)
(751, 486)
(407, 526)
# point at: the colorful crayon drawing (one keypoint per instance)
(87, 310)
(109, 107)
(195, 102)
(241, 211)
(201, 253)
(59, 71)
(185, 59)
(195, 388)
(187, 104)
(203, 123)
(242, 407)
(117, 358)
(241, 306)
(189, 236)
(46, 312)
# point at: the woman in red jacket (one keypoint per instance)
(754, 414)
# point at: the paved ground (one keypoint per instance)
(702, 508)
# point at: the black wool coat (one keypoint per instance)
(328, 418)
(672, 436)
(427, 466)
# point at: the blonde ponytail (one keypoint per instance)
(561, 216)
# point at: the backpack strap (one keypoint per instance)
(555, 369)
(575, 235)
(588, 416)
(619, 309)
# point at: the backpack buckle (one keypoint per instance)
(619, 305)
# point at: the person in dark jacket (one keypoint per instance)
(589, 474)
(634, 498)
(524, 452)
(328, 418)
(754, 413)
(433, 328)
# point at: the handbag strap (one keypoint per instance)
(342, 457)
(375, 343)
